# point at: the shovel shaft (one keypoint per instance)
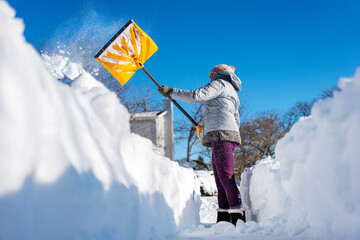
(151, 77)
(171, 99)
(183, 111)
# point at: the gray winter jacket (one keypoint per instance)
(220, 99)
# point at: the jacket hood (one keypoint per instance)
(228, 76)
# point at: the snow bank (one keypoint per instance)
(207, 182)
(320, 164)
(69, 166)
(261, 190)
(315, 189)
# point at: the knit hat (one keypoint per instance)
(221, 67)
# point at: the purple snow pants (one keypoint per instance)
(223, 166)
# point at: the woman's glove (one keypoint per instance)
(165, 90)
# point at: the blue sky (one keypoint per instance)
(283, 51)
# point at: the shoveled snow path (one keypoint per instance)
(209, 230)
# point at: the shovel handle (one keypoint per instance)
(198, 130)
(150, 76)
(198, 127)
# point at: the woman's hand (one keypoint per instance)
(165, 90)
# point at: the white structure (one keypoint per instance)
(158, 127)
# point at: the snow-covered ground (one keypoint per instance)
(208, 210)
(71, 169)
(223, 230)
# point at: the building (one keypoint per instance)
(158, 127)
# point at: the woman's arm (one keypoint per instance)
(207, 92)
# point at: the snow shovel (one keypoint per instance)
(126, 52)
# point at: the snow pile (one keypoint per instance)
(69, 166)
(207, 182)
(320, 165)
(315, 189)
(262, 193)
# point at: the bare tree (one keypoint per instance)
(303, 109)
(328, 93)
(140, 99)
(201, 164)
(187, 131)
(300, 109)
(259, 136)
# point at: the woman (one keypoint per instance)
(221, 132)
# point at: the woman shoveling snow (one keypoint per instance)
(221, 133)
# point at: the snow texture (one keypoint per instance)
(208, 209)
(60, 66)
(312, 184)
(207, 182)
(263, 200)
(320, 164)
(69, 166)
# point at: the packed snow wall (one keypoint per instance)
(313, 183)
(69, 166)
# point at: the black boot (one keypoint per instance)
(236, 216)
(223, 216)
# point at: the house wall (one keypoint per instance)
(145, 128)
(159, 129)
(160, 135)
(169, 128)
